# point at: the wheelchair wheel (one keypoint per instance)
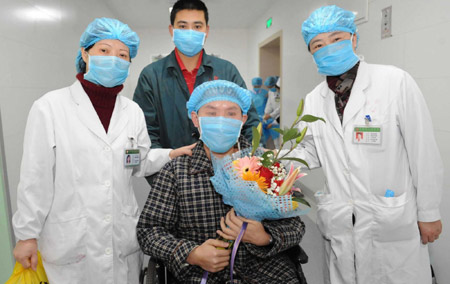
(152, 274)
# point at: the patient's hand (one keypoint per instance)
(231, 226)
(209, 257)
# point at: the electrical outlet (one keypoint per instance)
(386, 22)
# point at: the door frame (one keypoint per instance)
(278, 34)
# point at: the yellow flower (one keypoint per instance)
(249, 176)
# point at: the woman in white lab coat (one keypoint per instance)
(384, 174)
(82, 145)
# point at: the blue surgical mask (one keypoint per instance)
(219, 133)
(189, 42)
(335, 59)
(273, 89)
(107, 71)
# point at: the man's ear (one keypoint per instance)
(171, 31)
(355, 41)
(194, 118)
(207, 31)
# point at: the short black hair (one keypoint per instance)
(188, 5)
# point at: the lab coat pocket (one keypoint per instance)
(395, 218)
(324, 212)
(64, 242)
(127, 240)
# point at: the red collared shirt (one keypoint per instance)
(189, 77)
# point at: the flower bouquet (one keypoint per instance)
(257, 184)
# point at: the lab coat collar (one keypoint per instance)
(355, 103)
(88, 115)
(330, 109)
(119, 119)
(358, 97)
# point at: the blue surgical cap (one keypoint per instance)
(257, 81)
(105, 28)
(219, 90)
(328, 19)
(270, 81)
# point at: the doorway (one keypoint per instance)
(270, 65)
(270, 56)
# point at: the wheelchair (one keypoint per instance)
(157, 273)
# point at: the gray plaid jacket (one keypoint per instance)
(183, 210)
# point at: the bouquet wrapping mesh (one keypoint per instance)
(246, 197)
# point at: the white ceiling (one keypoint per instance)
(223, 14)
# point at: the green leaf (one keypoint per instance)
(290, 134)
(311, 118)
(256, 139)
(267, 159)
(296, 160)
(278, 130)
(300, 108)
(301, 200)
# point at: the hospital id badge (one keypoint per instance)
(132, 158)
(367, 135)
(277, 97)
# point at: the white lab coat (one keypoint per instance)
(273, 105)
(75, 194)
(384, 245)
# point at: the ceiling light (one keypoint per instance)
(39, 13)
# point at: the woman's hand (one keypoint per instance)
(231, 226)
(25, 253)
(186, 150)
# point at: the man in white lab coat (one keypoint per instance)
(384, 174)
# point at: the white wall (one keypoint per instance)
(419, 45)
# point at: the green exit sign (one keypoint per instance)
(269, 23)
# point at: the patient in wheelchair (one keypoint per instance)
(185, 223)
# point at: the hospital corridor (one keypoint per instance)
(225, 141)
